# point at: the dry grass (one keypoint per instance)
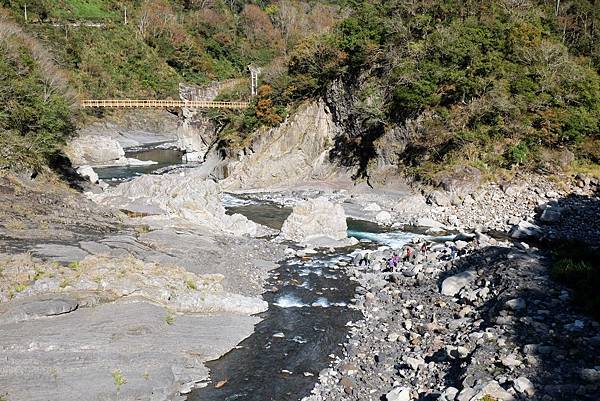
(12, 38)
(587, 168)
(15, 225)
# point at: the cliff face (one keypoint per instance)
(103, 141)
(296, 151)
(196, 133)
(364, 142)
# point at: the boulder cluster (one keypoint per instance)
(478, 317)
(487, 323)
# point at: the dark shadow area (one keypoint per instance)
(357, 151)
(541, 302)
(570, 233)
(553, 342)
(355, 146)
(61, 165)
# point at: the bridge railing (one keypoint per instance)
(160, 104)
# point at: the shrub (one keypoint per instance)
(170, 320)
(118, 379)
(518, 154)
(37, 117)
(577, 267)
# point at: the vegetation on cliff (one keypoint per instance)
(486, 83)
(492, 84)
(37, 113)
(164, 42)
(98, 52)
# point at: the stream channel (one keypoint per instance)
(310, 308)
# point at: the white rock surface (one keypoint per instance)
(384, 217)
(524, 386)
(372, 207)
(96, 150)
(314, 220)
(525, 229)
(398, 394)
(491, 389)
(453, 284)
(89, 173)
(429, 223)
(196, 134)
(187, 196)
(296, 151)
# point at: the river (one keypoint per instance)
(310, 310)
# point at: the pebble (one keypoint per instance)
(524, 386)
(473, 309)
(398, 394)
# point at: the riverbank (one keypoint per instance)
(181, 262)
(95, 304)
(489, 322)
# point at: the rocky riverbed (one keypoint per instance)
(139, 285)
(474, 318)
(489, 322)
(96, 304)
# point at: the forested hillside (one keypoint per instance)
(494, 84)
(59, 51)
(430, 84)
(163, 42)
(37, 105)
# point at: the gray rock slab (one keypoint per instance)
(76, 356)
(60, 253)
(36, 308)
(95, 248)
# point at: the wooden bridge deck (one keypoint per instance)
(161, 104)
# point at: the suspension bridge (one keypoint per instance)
(160, 104)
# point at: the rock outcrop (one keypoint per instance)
(113, 278)
(96, 150)
(85, 354)
(187, 197)
(317, 222)
(135, 127)
(294, 152)
(102, 142)
(196, 133)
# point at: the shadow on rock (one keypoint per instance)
(523, 340)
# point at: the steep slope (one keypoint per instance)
(36, 117)
(428, 85)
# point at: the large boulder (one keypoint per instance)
(187, 197)
(525, 229)
(551, 214)
(96, 150)
(89, 173)
(460, 181)
(453, 284)
(315, 219)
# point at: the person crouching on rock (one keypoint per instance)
(393, 262)
(366, 259)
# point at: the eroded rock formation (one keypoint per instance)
(316, 222)
(296, 151)
(187, 196)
